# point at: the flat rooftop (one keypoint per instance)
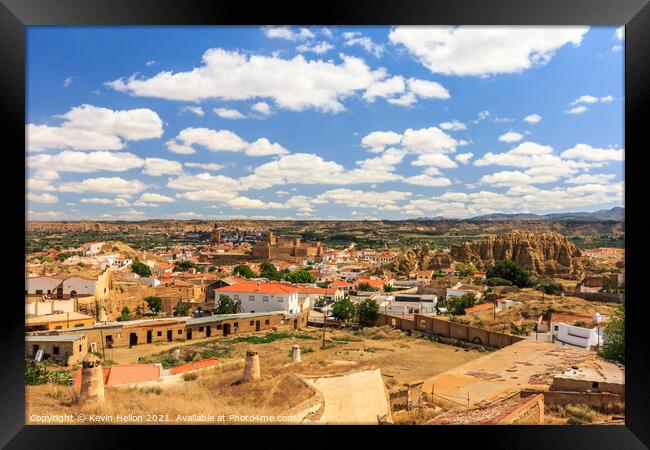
(222, 317)
(61, 317)
(61, 338)
(525, 364)
(605, 374)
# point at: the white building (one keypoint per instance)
(460, 292)
(75, 286)
(43, 285)
(256, 296)
(92, 248)
(588, 336)
(45, 307)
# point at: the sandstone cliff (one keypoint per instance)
(545, 254)
(421, 258)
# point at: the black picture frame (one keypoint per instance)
(16, 15)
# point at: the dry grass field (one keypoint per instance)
(216, 391)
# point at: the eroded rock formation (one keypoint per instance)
(546, 254)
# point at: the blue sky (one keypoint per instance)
(322, 122)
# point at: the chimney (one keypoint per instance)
(92, 379)
(252, 367)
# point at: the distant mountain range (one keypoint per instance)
(617, 213)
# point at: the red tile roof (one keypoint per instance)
(372, 283)
(265, 288)
(340, 283)
(481, 307)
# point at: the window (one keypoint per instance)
(265, 298)
(58, 327)
(55, 350)
(218, 327)
(39, 291)
(594, 384)
(235, 297)
(159, 333)
(251, 298)
(180, 331)
(266, 322)
(79, 325)
(280, 299)
(555, 327)
(200, 329)
(79, 347)
(252, 323)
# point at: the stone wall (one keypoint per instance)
(445, 328)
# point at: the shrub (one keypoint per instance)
(614, 336)
(140, 269)
(457, 305)
(550, 287)
(191, 376)
(155, 303)
(496, 281)
(226, 305)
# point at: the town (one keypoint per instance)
(235, 324)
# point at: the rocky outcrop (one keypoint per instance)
(421, 258)
(545, 254)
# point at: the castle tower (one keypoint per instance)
(295, 353)
(92, 379)
(252, 367)
(215, 235)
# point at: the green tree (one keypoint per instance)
(464, 270)
(388, 288)
(511, 271)
(181, 309)
(244, 270)
(184, 266)
(614, 346)
(226, 305)
(343, 309)
(300, 276)
(126, 315)
(367, 311)
(365, 287)
(268, 270)
(456, 305)
(141, 269)
(212, 269)
(154, 303)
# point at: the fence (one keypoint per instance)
(449, 329)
